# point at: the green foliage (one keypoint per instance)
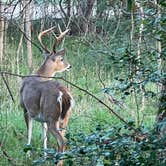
(106, 63)
(112, 146)
(119, 146)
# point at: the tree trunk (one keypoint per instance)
(162, 101)
(68, 8)
(85, 11)
(28, 33)
(100, 14)
(22, 4)
(161, 116)
(5, 42)
(142, 88)
(1, 30)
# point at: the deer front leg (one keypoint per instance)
(29, 132)
(28, 121)
(44, 137)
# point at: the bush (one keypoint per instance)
(114, 146)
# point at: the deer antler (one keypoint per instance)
(59, 38)
(40, 40)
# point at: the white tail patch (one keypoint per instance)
(59, 99)
(72, 102)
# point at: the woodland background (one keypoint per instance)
(117, 50)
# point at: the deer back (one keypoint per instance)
(45, 99)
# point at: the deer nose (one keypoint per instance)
(69, 67)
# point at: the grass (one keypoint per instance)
(86, 115)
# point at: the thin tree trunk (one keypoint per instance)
(5, 37)
(161, 116)
(130, 62)
(90, 4)
(142, 88)
(22, 35)
(99, 14)
(68, 8)
(28, 33)
(44, 14)
(85, 11)
(158, 44)
(1, 30)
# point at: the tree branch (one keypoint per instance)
(79, 88)
(8, 88)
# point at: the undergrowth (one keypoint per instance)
(87, 144)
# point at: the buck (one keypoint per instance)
(45, 100)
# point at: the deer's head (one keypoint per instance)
(54, 60)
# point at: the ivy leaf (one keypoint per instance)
(38, 161)
(126, 93)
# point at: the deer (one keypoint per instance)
(45, 100)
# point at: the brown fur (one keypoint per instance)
(45, 100)
(41, 97)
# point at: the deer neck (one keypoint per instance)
(45, 71)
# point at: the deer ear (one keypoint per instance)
(61, 52)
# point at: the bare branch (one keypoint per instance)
(79, 88)
(8, 88)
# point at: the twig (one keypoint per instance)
(4, 80)
(10, 159)
(97, 99)
(116, 102)
(81, 89)
(14, 9)
(24, 8)
(27, 38)
(62, 10)
(110, 97)
(99, 75)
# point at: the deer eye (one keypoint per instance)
(61, 59)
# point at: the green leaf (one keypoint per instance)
(50, 151)
(126, 93)
(38, 161)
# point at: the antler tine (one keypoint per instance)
(40, 36)
(59, 38)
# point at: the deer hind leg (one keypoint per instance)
(54, 129)
(28, 121)
(63, 123)
(56, 133)
(44, 137)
